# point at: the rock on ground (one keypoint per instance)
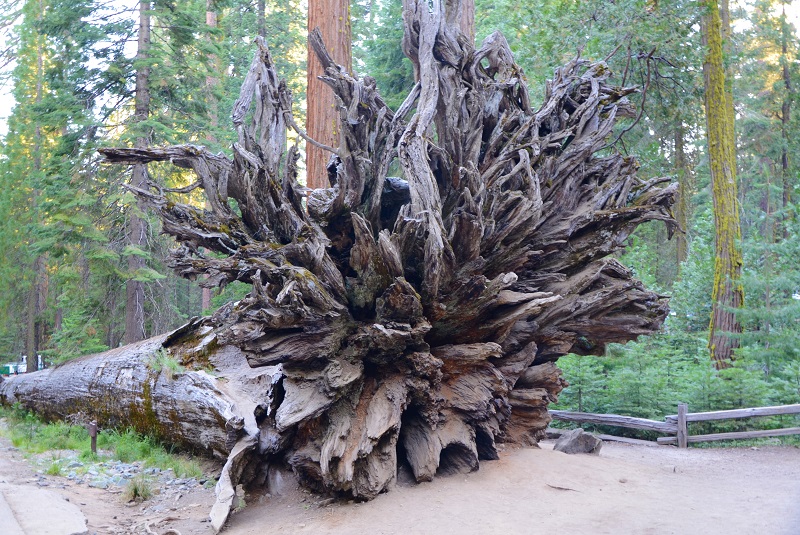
(576, 441)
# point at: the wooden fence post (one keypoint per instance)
(683, 432)
(93, 435)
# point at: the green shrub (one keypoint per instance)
(55, 468)
(138, 489)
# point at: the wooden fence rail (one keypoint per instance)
(615, 420)
(737, 413)
(677, 424)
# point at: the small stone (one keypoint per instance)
(99, 483)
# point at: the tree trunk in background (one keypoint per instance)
(332, 17)
(37, 302)
(727, 52)
(467, 25)
(262, 19)
(37, 298)
(786, 113)
(727, 294)
(137, 227)
(684, 193)
(211, 83)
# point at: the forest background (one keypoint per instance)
(69, 71)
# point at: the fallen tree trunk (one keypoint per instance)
(410, 319)
(136, 386)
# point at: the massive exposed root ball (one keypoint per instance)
(412, 318)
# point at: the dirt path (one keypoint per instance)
(626, 489)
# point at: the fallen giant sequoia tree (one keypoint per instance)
(412, 319)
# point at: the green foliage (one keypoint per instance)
(129, 446)
(587, 381)
(27, 432)
(377, 36)
(138, 489)
(55, 468)
(648, 378)
(32, 435)
(163, 362)
(234, 291)
(73, 87)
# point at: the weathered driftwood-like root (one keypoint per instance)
(410, 319)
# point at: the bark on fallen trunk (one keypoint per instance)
(131, 387)
(416, 318)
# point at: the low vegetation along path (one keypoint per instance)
(626, 489)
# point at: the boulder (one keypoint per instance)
(576, 441)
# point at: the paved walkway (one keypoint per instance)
(26, 509)
(30, 511)
(7, 519)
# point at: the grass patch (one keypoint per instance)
(138, 489)
(163, 362)
(54, 469)
(129, 446)
(30, 434)
(27, 432)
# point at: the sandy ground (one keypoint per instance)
(625, 490)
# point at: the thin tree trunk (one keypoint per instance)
(684, 192)
(262, 19)
(37, 299)
(137, 227)
(727, 53)
(211, 83)
(727, 294)
(467, 24)
(769, 237)
(332, 17)
(786, 114)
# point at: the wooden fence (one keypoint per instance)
(677, 424)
